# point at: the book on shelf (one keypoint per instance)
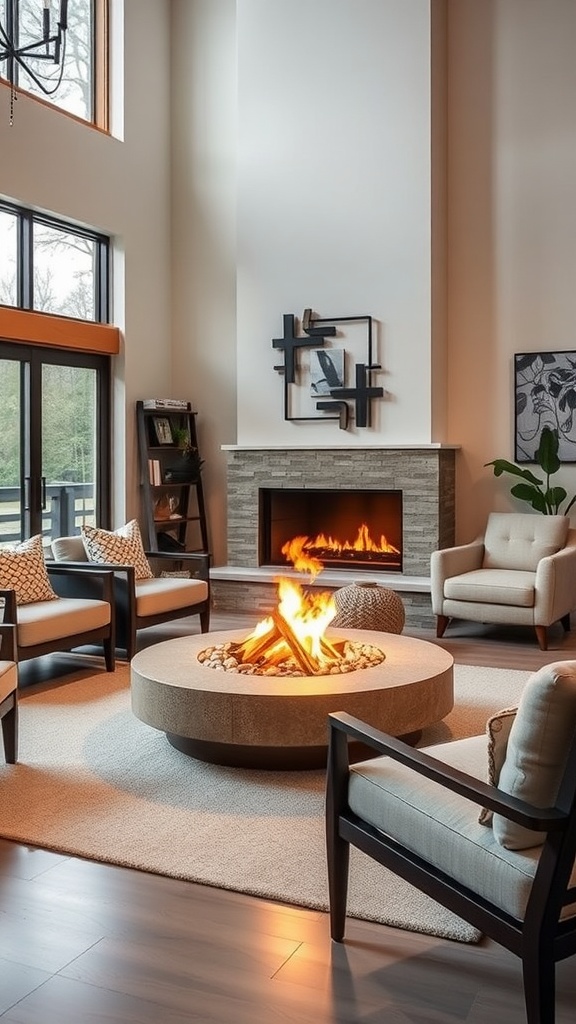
(175, 404)
(154, 472)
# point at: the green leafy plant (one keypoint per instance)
(538, 493)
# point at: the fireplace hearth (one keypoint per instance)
(355, 529)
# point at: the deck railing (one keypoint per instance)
(68, 506)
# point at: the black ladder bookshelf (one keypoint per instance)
(171, 478)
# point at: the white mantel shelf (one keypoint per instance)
(327, 578)
(338, 447)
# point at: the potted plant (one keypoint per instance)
(538, 493)
(186, 469)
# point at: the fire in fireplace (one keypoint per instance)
(359, 529)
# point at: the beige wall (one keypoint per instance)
(512, 223)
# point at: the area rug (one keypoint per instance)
(94, 781)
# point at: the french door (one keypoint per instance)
(54, 441)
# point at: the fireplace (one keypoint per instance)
(355, 529)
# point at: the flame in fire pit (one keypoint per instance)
(293, 635)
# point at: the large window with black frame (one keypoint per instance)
(55, 418)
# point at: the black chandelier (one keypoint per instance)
(49, 47)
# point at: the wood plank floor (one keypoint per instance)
(84, 943)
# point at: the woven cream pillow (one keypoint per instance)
(121, 547)
(498, 730)
(23, 569)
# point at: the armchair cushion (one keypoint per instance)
(69, 549)
(167, 594)
(23, 569)
(519, 541)
(47, 621)
(533, 767)
(120, 547)
(442, 826)
(492, 586)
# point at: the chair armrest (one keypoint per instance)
(8, 642)
(555, 585)
(127, 570)
(90, 582)
(342, 726)
(448, 562)
(198, 559)
(9, 598)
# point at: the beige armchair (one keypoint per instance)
(521, 572)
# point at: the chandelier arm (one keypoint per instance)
(36, 80)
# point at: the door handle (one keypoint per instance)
(43, 483)
(26, 493)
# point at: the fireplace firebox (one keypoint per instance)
(359, 530)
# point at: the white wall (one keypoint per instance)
(334, 203)
(53, 163)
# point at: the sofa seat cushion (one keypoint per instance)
(8, 679)
(166, 594)
(493, 586)
(443, 827)
(518, 540)
(63, 617)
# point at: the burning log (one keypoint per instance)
(306, 662)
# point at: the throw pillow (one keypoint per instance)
(538, 746)
(23, 569)
(498, 730)
(118, 547)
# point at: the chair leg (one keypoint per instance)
(205, 620)
(542, 635)
(110, 654)
(441, 623)
(10, 733)
(338, 858)
(539, 972)
(565, 620)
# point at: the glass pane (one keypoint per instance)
(8, 253)
(74, 94)
(10, 503)
(64, 279)
(69, 448)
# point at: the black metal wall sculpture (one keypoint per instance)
(336, 406)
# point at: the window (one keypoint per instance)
(78, 84)
(52, 267)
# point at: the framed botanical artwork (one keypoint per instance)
(545, 396)
(163, 430)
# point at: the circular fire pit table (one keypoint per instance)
(280, 722)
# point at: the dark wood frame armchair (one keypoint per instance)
(128, 622)
(541, 939)
(66, 582)
(9, 703)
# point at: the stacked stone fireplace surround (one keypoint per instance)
(425, 475)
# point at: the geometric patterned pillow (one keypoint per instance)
(498, 729)
(119, 547)
(23, 569)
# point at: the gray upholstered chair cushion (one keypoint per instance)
(442, 826)
(537, 747)
(519, 541)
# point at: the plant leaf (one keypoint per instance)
(530, 494)
(503, 466)
(547, 454)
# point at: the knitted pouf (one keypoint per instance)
(369, 606)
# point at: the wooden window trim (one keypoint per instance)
(58, 331)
